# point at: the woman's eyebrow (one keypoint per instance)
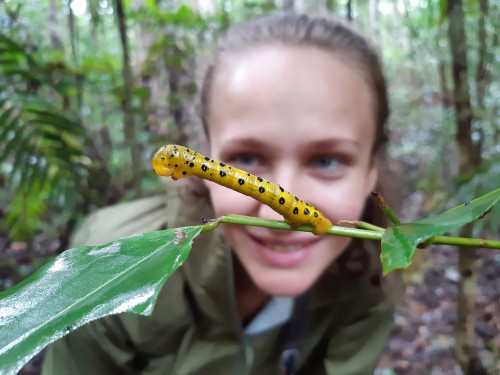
(251, 143)
(333, 143)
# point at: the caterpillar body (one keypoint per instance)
(179, 162)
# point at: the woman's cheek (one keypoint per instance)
(342, 201)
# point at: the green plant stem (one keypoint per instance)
(469, 242)
(386, 208)
(363, 225)
(374, 233)
(276, 224)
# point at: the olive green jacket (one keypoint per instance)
(195, 329)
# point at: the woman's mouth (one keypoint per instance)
(284, 255)
(285, 248)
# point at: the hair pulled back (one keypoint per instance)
(328, 33)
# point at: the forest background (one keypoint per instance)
(89, 89)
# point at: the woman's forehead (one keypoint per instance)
(279, 91)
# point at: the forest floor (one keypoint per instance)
(422, 340)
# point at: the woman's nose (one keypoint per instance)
(267, 212)
(285, 178)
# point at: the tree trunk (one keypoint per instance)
(481, 64)
(468, 151)
(95, 20)
(128, 115)
(73, 33)
(465, 349)
(176, 71)
(72, 30)
(55, 41)
(349, 10)
(495, 43)
(443, 85)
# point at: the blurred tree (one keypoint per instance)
(469, 160)
(45, 146)
(129, 125)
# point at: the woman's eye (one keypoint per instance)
(327, 162)
(245, 161)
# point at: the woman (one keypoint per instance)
(301, 101)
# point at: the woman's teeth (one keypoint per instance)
(284, 247)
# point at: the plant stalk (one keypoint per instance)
(374, 233)
(386, 208)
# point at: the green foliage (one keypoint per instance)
(400, 242)
(423, 117)
(485, 179)
(177, 35)
(42, 145)
(87, 283)
(84, 284)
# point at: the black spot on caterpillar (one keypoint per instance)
(295, 211)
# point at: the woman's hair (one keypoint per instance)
(328, 33)
(332, 35)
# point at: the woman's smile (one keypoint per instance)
(282, 253)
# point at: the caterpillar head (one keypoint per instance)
(168, 162)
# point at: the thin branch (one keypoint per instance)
(374, 233)
(362, 225)
(386, 208)
(463, 241)
(277, 224)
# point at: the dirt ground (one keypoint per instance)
(422, 340)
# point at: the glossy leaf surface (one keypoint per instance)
(86, 283)
(399, 242)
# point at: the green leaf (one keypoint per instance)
(151, 5)
(8, 122)
(483, 180)
(141, 92)
(399, 242)
(21, 155)
(12, 145)
(103, 64)
(23, 216)
(84, 284)
(443, 11)
(430, 13)
(56, 120)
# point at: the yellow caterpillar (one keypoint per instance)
(179, 162)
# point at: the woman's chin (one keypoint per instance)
(283, 285)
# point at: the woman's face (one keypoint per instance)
(303, 118)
